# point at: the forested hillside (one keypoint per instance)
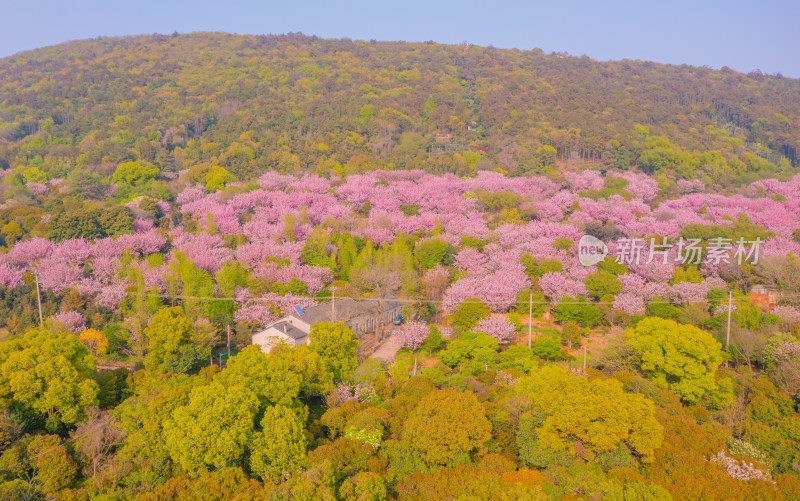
(294, 103)
(163, 198)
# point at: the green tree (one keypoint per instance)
(336, 346)
(546, 155)
(152, 209)
(564, 244)
(689, 274)
(189, 359)
(134, 173)
(576, 309)
(272, 378)
(230, 276)
(12, 232)
(363, 486)
(663, 309)
(314, 252)
(279, 447)
(225, 483)
(476, 347)
(315, 379)
(469, 312)
(611, 265)
(85, 184)
(602, 283)
(499, 201)
(213, 430)
(682, 358)
(547, 346)
(446, 427)
(47, 375)
(571, 334)
(34, 175)
(187, 279)
(51, 462)
(117, 220)
(166, 333)
(428, 108)
(217, 177)
(528, 302)
(597, 413)
(80, 223)
(431, 252)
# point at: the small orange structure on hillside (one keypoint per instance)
(442, 137)
(765, 297)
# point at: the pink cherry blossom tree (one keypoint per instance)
(555, 286)
(72, 320)
(629, 303)
(37, 188)
(740, 469)
(788, 314)
(10, 277)
(497, 326)
(412, 334)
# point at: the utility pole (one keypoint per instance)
(728, 335)
(229, 341)
(333, 304)
(39, 299)
(530, 318)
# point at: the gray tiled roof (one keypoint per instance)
(290, 330)
(346, 308)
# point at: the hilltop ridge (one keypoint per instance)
(293, 103)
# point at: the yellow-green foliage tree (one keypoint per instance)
(446, 427)
(144, 415)
(595, 412)
(336, 346)
(134, 173)
(217, 177)
(269, 377)
(51, 462)
(279, 447)
(166, 332)
(214, 428)
(47, 375)
(680, 357)
(363, 486)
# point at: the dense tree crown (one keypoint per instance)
(681, 357)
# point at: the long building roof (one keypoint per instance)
(346, 308)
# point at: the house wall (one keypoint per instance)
(303, 326)
(268, 338)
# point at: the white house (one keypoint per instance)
(361, 316)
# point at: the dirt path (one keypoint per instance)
(388, 349)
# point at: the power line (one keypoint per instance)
(165, 295)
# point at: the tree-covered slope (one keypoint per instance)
(252, 103)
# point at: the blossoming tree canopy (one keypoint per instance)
(412, 334)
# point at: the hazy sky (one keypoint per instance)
(742, 35)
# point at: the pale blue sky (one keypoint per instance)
(741, 35)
